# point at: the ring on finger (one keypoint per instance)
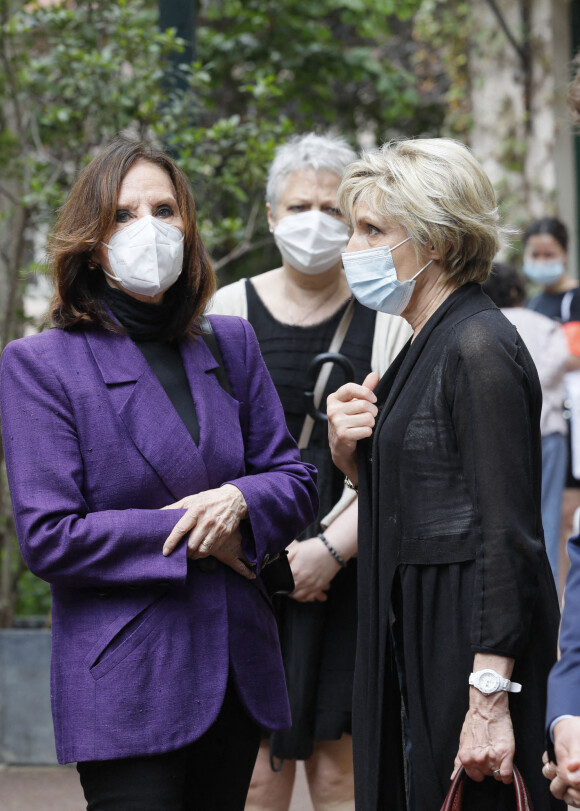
(206, 546)
(496, 773)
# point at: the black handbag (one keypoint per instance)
(275, 573)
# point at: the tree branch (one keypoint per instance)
(520, 49)
(240, 250)
(14, 200)
(246, 244)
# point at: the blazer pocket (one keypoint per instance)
(122, 637)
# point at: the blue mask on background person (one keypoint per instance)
(544, 272)
(372, 277)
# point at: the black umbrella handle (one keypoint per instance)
(312, 376)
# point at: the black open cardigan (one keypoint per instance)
(450, 535)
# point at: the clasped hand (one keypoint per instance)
(211, 523)
(564, 776)
(313, 570)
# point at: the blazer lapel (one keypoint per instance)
(147, 413)
(218, 413)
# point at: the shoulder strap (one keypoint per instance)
(208, 336)
(325, 371)
(566, 306)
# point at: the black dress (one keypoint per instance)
(451, 547)
(318, 639)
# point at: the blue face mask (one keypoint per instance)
(544, 272)
(372, 277)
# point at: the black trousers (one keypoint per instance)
(210, 774)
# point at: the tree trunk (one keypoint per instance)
(12, 242)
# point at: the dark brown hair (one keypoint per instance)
(505, 285)
(551, 226)
(86, 219)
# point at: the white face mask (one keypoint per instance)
(146, 257)
(311, 241)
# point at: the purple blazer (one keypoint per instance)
(143, 644)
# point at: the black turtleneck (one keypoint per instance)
(146, 325)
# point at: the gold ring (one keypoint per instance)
(206, 546)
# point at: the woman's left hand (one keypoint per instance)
(565, 777)
(313, 569)
(486, 744)
(212, 525)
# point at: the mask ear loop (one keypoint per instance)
(421, 270)
(399, 244)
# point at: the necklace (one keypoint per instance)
(319, 304)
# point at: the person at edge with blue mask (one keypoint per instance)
(545, 258)
(562, 760)
(545, 265)
(458, 613)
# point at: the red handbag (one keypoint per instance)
(454, 799)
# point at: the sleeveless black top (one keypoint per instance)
(288, 351)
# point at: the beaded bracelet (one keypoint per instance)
(332, 550)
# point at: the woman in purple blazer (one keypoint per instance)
(150, 497)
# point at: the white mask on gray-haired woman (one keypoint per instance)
(311, 241)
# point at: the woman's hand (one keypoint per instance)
(351, 416)
(212, 526)
(486, 744)
(312, 564)
(313, 569)
(565, 776)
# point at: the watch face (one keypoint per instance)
(488, 682)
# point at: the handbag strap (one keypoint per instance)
(324, 373)
(523, 799)
(454, 799)
(208, 336)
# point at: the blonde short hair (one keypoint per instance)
(436, 190)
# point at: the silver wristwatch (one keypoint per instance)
(488, 682)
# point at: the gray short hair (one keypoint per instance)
(437, 191)
(330, 152)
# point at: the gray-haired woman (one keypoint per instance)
(297, 310)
